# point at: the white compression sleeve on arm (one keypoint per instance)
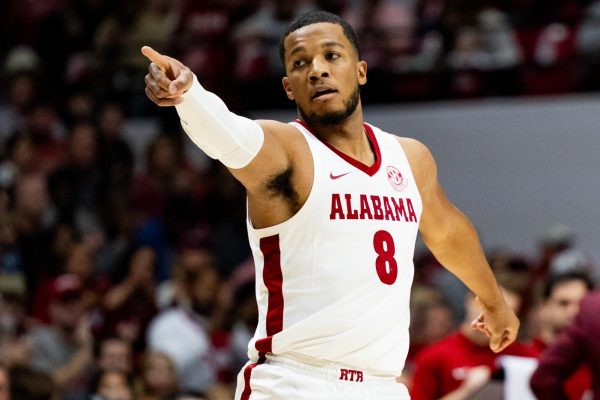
(221, 134)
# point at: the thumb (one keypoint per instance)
(157, 58)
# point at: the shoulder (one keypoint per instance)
(287, 136)
(278, 129)
(422, 163)
(416, 152)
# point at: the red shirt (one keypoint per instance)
(441, 367)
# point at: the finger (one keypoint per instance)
(155, 57)
(163, 102)
(159, 76)
(156, 89)
(481, 326)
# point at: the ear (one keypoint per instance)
(286, 86)
(361, 69)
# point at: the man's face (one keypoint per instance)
(563, 304)
(115, 355)
(67, 311)
(323, 73)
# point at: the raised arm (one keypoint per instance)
(251, 150)
(452, 239)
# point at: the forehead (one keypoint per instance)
(315, 35)
(572, 288)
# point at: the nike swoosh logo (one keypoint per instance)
(332, 176)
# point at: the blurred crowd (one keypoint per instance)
(124, 269)
(416, 49)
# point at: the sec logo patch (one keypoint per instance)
(396, 179)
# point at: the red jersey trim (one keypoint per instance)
(369, 170)
(247, 375)
(273, 279)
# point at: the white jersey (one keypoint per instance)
(333, 281)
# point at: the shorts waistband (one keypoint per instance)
(327, 370)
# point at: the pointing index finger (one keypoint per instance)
(155, 57)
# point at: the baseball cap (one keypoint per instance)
(66, 286)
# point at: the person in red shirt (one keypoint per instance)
(577, 345)
(460, 364)
(562, 295)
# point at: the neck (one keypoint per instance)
(348, 136)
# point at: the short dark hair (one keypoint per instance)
(557, 279)
(315, 17)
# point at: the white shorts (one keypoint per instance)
(297, 377)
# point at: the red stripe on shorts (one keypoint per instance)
(247, 372)
(273, 279)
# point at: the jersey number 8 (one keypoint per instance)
(385, 263)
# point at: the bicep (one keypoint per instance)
(438, 212)
(273, 156)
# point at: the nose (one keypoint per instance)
(319, 69)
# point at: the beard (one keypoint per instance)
(333, 117)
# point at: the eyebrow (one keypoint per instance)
(298, 49)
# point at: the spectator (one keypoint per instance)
(14, 323)
(64, 349)
(31, 212)
(159, 377)
(562, 295)
(459, 365)
(588, 44)
(78, 261)
(189, 262)
(76, 187)
(19, 161)
(115, 354)
(111, 385)
(22, 93)
(576, 346)
(184, 332)
(115, 154)
(130, 305)
(29, 384)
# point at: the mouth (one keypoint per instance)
(323, 93)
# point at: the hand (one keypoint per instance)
(500, 324)
(167, 79)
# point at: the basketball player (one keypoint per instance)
(334, 207)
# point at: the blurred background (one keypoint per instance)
(124, 263)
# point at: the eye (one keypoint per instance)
(332, 56)
(299, 63)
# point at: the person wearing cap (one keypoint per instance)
(14, 322)
(64, 348)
